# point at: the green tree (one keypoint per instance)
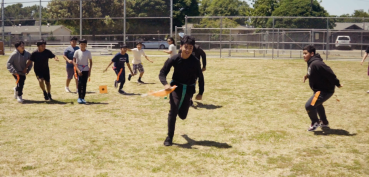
(300, 8)
(17, 14)
(181, 8)
(263, 8)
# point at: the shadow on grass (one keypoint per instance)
(145, 83)
(328, 131)
(86, 92)
(92, 103)
(131, 94)
(191, 142)
(45, 102)
(206, 106)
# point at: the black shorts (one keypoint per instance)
(43, 74)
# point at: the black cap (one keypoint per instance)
(83, 41)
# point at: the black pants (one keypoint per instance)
(82, 84)
(175, 98)
(313, 109)
(20, 84)
(122, 77)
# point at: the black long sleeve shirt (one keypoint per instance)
(321, 76)
(186, 71)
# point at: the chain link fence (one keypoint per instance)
(278, 37)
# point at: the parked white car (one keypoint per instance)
(155, 44)
(343, 42)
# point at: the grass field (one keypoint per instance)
(251, 122)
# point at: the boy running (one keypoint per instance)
(81, 59)
(186, 71)
(41, 57)
(119, 60)
(322, 81)
(137, 64)
(16, 65)
(172, 49)
(68, 57)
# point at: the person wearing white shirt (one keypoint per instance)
(172, 49)
(136, 62)
(81, 59)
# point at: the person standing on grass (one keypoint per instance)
(17, 65)
(172, 49)
(68, 57)
(187, 70)
(119, 60)
(81, 59)
(362, 61)
(41, 57)
(322, 81)
(137, 64)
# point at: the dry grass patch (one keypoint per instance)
(251, 122)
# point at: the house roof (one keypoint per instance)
(32, 29)
(345, 26)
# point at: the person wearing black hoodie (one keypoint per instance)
(322, 81)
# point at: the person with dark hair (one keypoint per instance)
(17, 65)
(81, 58)
(187, 70)
(322, 81)
(137, 63)
(199, 53)
(68, 57)
(41, 57)
(119, 60)
(172, 49)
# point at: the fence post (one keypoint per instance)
(175, 36)
(80, 19)
(186, 24)
(230, 40)
(2, 21)
(326, 55)
(220, 38)
(40, 20)
(278, 45)
(171, 18)
(361, 48)
(273, 41)
(124, 23)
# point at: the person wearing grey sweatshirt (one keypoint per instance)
(17, 66)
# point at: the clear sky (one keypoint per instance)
(334, 7)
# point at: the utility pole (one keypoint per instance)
(124, 23)
(40, 20)
(2, 20)
(80, 19)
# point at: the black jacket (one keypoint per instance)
(186, 71)
(321, 76)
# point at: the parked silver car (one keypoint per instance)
(155, 44)
(343, 42)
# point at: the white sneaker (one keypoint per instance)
(19, 99)
(67, 89)
(367, 91)
(15, 93)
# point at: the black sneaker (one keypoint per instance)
(129, 77)
(140, 82)
(46, 96)
(49, 95)
(324, 125)
(122, 92)
(115, 83)
(168, 141)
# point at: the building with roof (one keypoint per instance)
(32, 33)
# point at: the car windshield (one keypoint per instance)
(343, 38)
